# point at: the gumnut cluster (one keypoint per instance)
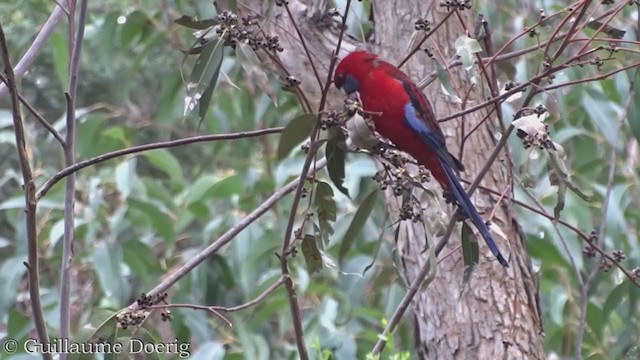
(137, 317)
(459, 5)
(246, 30)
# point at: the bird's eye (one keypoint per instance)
(340, 78)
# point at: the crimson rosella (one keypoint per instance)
(402, 114)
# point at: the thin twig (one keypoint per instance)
(336, 52)
(141, 148)
(500, 56)
(426, 36)
(554, 223)
(32, 265)
(571, 32)
(492, 79)
(38, 116)
(584, 291)
(586, 237)
(304, 45)
(36, 47)
(590, 79)
(70, 186)
(210, 309)
(416, 284)
(253, 302)
(286, 244)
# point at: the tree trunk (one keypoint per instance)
(496, 315)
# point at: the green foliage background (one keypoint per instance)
(140, 216)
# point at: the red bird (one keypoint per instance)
(402, 114)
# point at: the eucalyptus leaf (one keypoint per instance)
(311, 253)
(296, 131)
(203, 77)
(357, 224)
(336, 158)
(470, 253)
(253, 68)
(192, 22)
(326, 209)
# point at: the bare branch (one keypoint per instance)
(286, 245)
(29, 198)
(34, 50)
(226, 237)
(584, 291)
(253, 302)
(70, 159)
(304, 44)
(38, 116)
(141, 148)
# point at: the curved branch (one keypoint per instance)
(34, 50)
(226, 237)
(29, 199)
(141, 148)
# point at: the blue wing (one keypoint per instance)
(436, 143)
(433, 139)
(419, 116)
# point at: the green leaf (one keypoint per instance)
(11, 271)
(211, 186)
(466, 47)
(126, 176)
(545, 250)
(357, 223)
(136, 344)
(336, 157)
(134, 29)
(470, 248)
(107, 257)
(594, 320)
(378, 245)
(607, 29)
(204, 76)
(296, 131)
(210, 350)
(325, 209)
(601, 111)
(470, 253)
(161, 221)
(164, 160)
(312, 255)
(90, 138)
(229, 184)
(205, 100)
(633, 117)
(614, 299)
(104, 37)
(192, 22)
(104, 333)
(18, 324)
(140, 257)
(61, 57)
(252, 67)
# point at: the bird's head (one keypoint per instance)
(353, 70)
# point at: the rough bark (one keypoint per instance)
(496, 315)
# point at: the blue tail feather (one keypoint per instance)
(465, 204)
